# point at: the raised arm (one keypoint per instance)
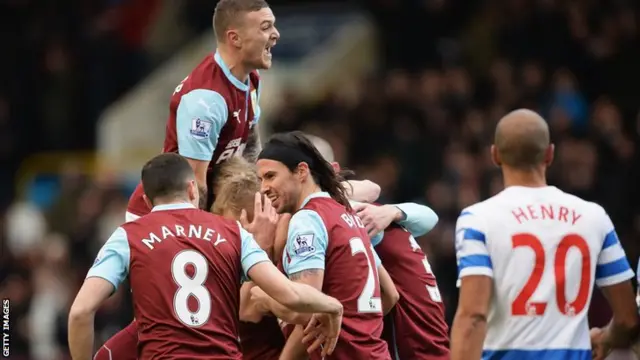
(475, 277)
(200, 117)
(108, 271)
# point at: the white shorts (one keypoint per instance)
(129, 217)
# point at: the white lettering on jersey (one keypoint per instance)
(193, 231)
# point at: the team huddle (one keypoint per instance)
(235, 250)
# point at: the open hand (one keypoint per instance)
(323, 331)
(265, 221)
(376, 218)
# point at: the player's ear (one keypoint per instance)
(336, 166)
(233, 38)
(549, 155)
(147, 201)
(192, 190)
(302, 170)
(495, 157)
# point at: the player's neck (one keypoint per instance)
(526, 178)
(306, 191)
(233, 63)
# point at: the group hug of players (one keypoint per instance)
(238, 251)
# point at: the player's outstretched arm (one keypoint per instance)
(298, 297)
(92, 293)
(390, 295)
(362, 190)
(266, 303)
(417, 219)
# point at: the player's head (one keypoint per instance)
(522, 142)
(288, 165)
(169, 178)
(248, 27)
(235, 184)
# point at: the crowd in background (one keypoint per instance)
(420, 127)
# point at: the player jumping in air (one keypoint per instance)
(528, 259)
(185, 268)
(215, 110)
(327, 246)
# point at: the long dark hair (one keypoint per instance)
(321, 170)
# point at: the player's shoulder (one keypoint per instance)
(208, 75)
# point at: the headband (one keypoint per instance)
(290, 156)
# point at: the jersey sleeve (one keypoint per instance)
(376, 258)
(472, 253)
(112, 261)
(418, 219)
(377, 238)
(307, 242)
(200, 117)
(250, 252)
(612, 267)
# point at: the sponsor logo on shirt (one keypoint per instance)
(303, 245)
(200, 129)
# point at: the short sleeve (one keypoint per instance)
(200, 117)
(471, 247)
(376, 258)
(612, 267)
(307, 243)
(250, 252)
(419, 219)
(112, 261)
(377, 238)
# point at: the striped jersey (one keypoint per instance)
(545, 250)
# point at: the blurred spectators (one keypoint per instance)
(420, 128)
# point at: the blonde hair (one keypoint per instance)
(235, 184)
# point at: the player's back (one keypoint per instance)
(185, 274)
(544, 249)
(351, 277)
(416, 327)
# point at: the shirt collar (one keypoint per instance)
(174, 206)
(234, 80)
(319, 194)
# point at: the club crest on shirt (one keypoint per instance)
(200, 129)
(303, 245)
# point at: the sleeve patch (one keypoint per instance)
(200, 128)
(303, 245)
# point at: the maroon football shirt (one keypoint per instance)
(415, 328)
(242, 104)
(185, 273)
(349, 275)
